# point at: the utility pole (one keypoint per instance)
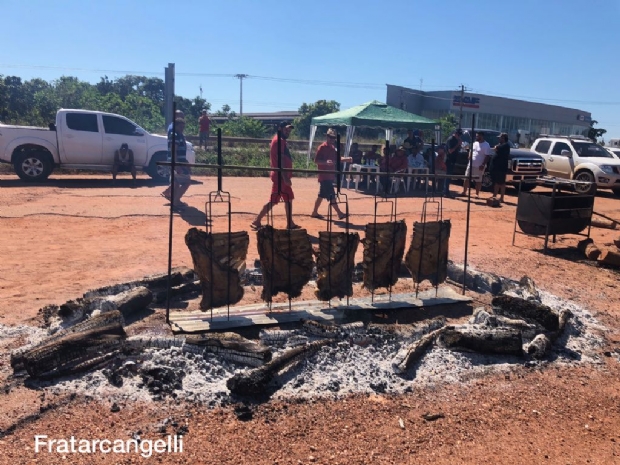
(461, 110)
(240, 77)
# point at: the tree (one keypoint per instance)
(244, 127)
(448, 124)
(308, 111)
(593, 134)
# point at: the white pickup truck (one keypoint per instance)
(82, 140)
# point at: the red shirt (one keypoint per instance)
(324, 153)
(396, 163)
(287, 162)
(204, 123)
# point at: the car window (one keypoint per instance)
(82, 122)
(590, 149)
(543, 146)
(115, 125)
(558, 147)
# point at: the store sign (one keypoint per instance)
(584, 118)
(468, 102)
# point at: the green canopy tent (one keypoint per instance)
(369, 115)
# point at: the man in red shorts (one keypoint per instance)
(279, 190)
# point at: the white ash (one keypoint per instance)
(336, 370)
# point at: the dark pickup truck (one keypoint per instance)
(523, 165)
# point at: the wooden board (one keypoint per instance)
(259, 314)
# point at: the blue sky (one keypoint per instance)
(562, 52)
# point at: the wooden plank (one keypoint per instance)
(259, 314)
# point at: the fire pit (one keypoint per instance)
(553, 212)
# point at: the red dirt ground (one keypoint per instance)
(76, 233)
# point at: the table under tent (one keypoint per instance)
(373, 114)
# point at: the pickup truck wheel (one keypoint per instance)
(585, 176)
(33, 166)
(160, 174)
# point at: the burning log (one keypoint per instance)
(83, 346)
(515, 307)
(254, 382)
(335, 264)
(232, 347)
(489, 341)
(219, 259)
(384, 246)
(427, 257)
(286, 261)
(588, 248)
(415, 351)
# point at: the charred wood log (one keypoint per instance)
(427, 257)
(232, 347)
(185, 289)
(254, 382)
(515, 307)
(415, 351)
(609, 257)
(286, 261)
(539, 346)
(178, 276)
(489, 341)
(384, 246)
(331, 331)
(83, 346)
(131, 301)
(219, 259)
(335, 264)
(588, 248)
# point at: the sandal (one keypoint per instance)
(256, 227)
(294, 226)
(317, 216)
(343, 216)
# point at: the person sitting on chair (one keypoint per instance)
(397, 163)
(123, 162)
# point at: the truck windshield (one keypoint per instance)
(590, 149)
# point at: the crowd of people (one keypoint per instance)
(392, 160)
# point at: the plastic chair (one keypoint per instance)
(396, 181)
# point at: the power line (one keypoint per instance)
(357, 85)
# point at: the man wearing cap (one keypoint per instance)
(204, 123)
(325, 159)
(453, 148)
(123, 162)
(182, 179)
(281, 184)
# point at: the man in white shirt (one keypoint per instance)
(479, 160)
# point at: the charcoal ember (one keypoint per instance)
(162, 381)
